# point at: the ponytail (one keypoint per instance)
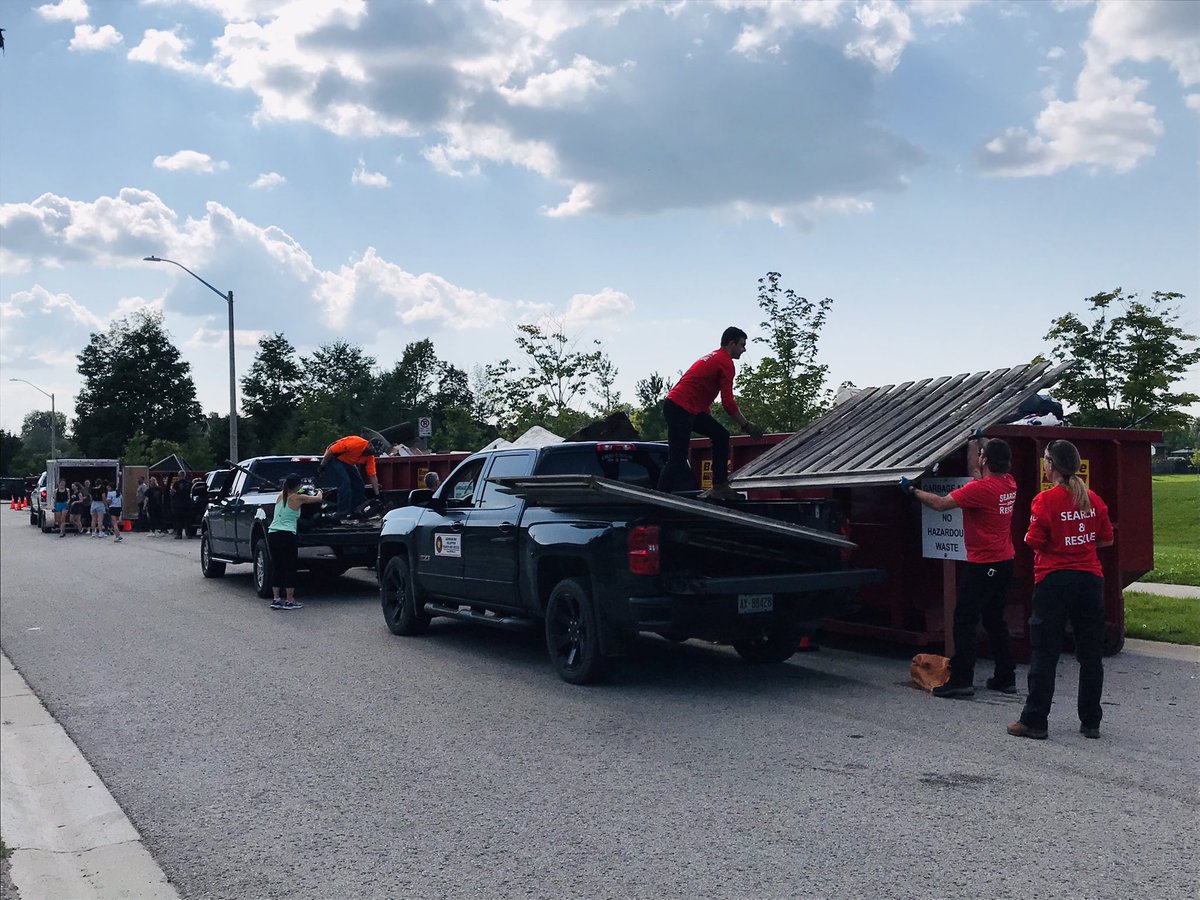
(1064, 458)
(290, 485)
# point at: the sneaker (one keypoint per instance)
(119, 539)
(1020, 729)
(1004, 687)
(721, 492)
(950, 689)
(1089, 731)
(277, 604)
(292, 604)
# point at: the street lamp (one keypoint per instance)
(228, 298)
(53, 417)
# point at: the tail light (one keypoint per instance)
(43, 495)
(643, 550)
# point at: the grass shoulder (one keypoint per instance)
(1150, 617)
(1176, 500)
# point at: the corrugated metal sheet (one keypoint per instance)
(883, 433)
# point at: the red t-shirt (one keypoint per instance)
(987, 505)
(1062, 537)
(698, 388)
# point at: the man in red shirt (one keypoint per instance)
(686, 410)
(342, 458)
(987, 504)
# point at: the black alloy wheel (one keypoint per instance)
(573, 634)
(398, 597)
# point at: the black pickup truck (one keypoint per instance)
(572, 538)
(240, 508)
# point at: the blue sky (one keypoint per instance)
(953, 174)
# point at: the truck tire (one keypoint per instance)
(262, 569)
(209, 567)
(573, 634)
(46, 529)
(776, 646)
(398, 595)
(33, 517)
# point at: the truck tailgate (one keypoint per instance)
(773, 584)
(580, 491)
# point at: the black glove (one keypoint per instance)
(976, 435)
(755, 431)
(907, 486)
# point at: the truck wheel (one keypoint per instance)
(775, 646)
(46, 529)
(209, 567)
(398, 595)
(33, 517)
(573, 634)
(262, 570)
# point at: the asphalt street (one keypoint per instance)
(312, 754)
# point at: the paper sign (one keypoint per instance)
(942, 532)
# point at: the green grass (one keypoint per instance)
(5, 853)
(1176, 500)
(1153, 618)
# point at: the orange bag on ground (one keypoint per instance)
(928, 670)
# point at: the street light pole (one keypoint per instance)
(228, 298)
(53, 416)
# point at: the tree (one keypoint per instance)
(1127, 364)
(12, 454)
(134, 380)
(338, 388)
(648, 418)
(272, 392)
(35, 433)
(786, 390)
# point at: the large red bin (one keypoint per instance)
(910, 605)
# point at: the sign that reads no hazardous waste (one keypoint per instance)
(942, 532)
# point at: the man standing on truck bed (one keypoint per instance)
(686, 410)
(342, 458)
(987, 503)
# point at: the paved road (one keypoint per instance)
(313, 755)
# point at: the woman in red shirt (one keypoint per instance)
(1067, 523)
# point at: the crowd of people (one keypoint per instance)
(97, 509)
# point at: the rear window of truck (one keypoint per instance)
(628, 464)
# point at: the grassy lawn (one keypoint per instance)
(1172, 619)
(1176, 530)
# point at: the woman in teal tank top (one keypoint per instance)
(282, 542)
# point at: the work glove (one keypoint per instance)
(755, 431)
(907, 486)
(976, 435)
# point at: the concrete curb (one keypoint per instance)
(68, 836)
(1162, 650)
(1165, 590)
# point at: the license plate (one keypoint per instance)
(756, 603)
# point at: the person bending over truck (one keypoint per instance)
(282, 541)
(686, 410)
(987, 503)
(342, 458)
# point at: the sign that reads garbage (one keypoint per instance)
(942, 532)
(424, 426)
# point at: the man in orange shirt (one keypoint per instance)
(342, 458)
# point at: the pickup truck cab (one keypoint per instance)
(573, 539)
(239, 510)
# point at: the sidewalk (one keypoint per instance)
(1165, 590)
(68, 836)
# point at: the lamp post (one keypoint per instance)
(53, 417)
(228, 298)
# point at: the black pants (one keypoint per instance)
(982, 589)
(282, 548)
(1063, 596)
(677, 475)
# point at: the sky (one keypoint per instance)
(953, 174)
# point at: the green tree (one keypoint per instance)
(786, 390)
(134, 380)
(35, 433)
(272, 392)
(648, 418)
(12, 454)
(338, 390)
(1129, 355)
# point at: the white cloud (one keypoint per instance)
(192, 161)
(217, 336)
(1055, 53)
(1106, 125)
(89, 38)
(163, 48)
(562, 87)
(64, 11)
(267, 181)
(33, 320)
(589, 309)
(1192, 101)
(940, 12)
(885, 32)
(369, 179)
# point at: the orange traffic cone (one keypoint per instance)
(12, 504)
(24, 503)
(21, 503)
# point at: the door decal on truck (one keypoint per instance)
(447, 545)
